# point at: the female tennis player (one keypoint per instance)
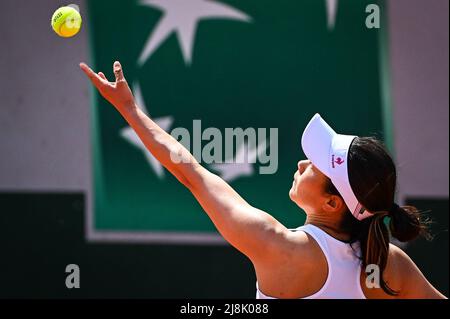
(346, 187)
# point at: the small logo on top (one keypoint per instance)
(338, 161)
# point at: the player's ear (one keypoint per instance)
(333, 204)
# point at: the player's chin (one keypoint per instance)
(292, 193)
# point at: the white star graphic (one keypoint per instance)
(182, 17)
(130, 135)
(242, 165)
(332, 6)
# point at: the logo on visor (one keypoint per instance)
(338, 161)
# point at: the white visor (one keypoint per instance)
(328, 151)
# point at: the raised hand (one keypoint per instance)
(117, 93)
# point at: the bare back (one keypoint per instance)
(304, 271)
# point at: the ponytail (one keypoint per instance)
(407, 223)
(375, 250)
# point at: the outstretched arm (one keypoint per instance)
(252, 231)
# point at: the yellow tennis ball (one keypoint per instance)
(66, 22)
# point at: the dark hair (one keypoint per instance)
(373, 179)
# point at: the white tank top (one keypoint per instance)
(344, 267)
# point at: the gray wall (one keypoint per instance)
(44, 112)
(419, 76)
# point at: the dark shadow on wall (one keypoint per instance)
(42, 233)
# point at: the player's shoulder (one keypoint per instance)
(294, 247)
(407, 277)
(398, 258)
(301, 246)
(400, 268)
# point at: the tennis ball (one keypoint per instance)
(66, 22)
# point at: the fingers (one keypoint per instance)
(118, 72)
(95, 78)
(99, 78)
(102, 75)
